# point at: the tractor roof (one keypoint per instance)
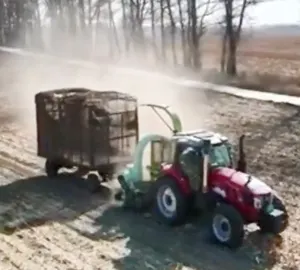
(200, 135)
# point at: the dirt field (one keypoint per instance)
(62, 226)
(269, 64)
(271, 55)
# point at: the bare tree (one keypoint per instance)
(113, 33)
(173, 31)
(183, 35)
(223, 50)
(153, 27)
(86, 25)
(125, 25)
(2, 23)
(81, 7)
(198, 12)
(162, 30)
(234, 18)
(137, 11)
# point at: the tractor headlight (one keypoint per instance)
(258, 202)
(263, 201)
(271, 198)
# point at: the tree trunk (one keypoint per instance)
(189, 58)
(114, 46)
(173, 32)
(20, 25)
(162, 31)
(139, 21)
(231, 35)
(182, 34)
(40, 40)
(72, 19)
(223, 52)
(82, 15)
(231, 59)
(90, 17)
(97, 28)
(132, 23)
(153, 29)
(125, 26)
(2, 23)
(194, 35)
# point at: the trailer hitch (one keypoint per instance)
(133, 198)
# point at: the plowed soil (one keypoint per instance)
(61, 225)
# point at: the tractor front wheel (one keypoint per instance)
(227, 226)
(170, 203)
(270, 227)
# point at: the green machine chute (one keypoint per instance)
(133, 173)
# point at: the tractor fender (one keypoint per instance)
(182, 182)
(183, 185)
(170, 170)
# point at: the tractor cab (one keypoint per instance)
(194, 154)
(208, 143)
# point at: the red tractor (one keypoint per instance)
(234, 197)
(196, 170)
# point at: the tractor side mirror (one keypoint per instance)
(242, 164)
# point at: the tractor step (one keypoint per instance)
(204, 201)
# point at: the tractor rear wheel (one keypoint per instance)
(171, 205)
(227, 226)
(52, 167)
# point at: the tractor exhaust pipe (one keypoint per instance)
(242, 164)
(206, 150)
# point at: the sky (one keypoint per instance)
(276, 12)
(270, 12)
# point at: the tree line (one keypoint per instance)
(171, 31)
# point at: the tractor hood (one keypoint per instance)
(256, 186)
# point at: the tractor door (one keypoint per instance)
(190, 160)
(160, 153)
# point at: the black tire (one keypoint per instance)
(278, 204)
(119, 195)
(52, 167)
(177, 197)
(227, 220)
(93, 182)
(104, 176)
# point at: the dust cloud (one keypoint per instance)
(28, 76)
(25, 76)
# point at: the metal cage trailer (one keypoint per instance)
(87, 129)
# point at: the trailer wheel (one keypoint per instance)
(227, 226)
(171, 205)
(93, 182)
(52, 167)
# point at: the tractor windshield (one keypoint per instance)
(219, 156)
